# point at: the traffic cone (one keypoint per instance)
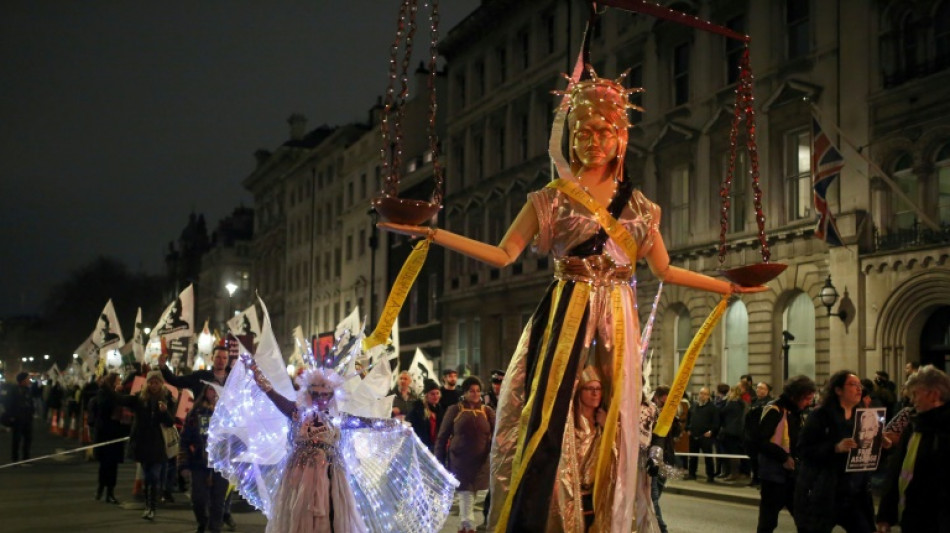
(86, 437)
(61, 427)
(54, 422)
(73, 433)
(138, 485)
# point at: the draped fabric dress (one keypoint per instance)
(588, 309)
(313, 496)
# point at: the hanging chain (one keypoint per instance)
(433, 105)
(391, 131)
(744, 107)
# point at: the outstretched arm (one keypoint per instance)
(521, 231)
(658, 259)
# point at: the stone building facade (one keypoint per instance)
(888, 99)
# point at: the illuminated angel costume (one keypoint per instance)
(588, 316)
(344, 467)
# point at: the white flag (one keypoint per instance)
(244, 325)
(420, 369)
(270, 361)
(108, 335)
(87, 352)
(178, 318)
(138, 337)
(300, 347)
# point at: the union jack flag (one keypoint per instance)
(826, 166)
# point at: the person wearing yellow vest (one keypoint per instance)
(596, 226)
(777, 438)
(918, 483)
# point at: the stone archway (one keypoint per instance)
(935, 339)
(905, 315)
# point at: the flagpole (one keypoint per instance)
(875, 167)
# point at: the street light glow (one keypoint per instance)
(75, 356)
(147, 330)
(46, 356)
(23, 359)
(230, 287)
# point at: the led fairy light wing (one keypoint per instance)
(397, 483)
(247, 439)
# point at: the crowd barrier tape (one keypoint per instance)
(66, 452)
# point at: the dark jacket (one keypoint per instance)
(404, 405)
(732, 418)
(703, 418)
(108, 416)
(192, 381)
(822, 483)
(927, 494)
(194, 437)
(470, 432)
(772, 456)
(147, 442)
(18, 406)
(450, 397)
(422, 424)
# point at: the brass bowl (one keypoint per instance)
(754, 275)
(405, 211)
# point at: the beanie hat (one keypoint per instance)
(21, 376)
(429, 386)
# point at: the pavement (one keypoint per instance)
(56, 494)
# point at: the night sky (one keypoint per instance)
(120, 118)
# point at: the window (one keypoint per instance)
(738, 206)
(681, 74)
(679, 205)
(479, 157)
(460, 87)
(433, 311)
(550, 35)
(501, 57)
(799, 320)
(350, 197)
(682, 337)
(500, 139)
(798, 175)
(736, 343)
(734, 50)
(905, 217)
(524, 46)
(909, 47)
(942, 36)
(480, 79)
(523, 138)
(462, 340)
(362, 243)
(337, 263)
(349, 247)
(476, 341)
(363, 186)
(796, 28)
(943, 185)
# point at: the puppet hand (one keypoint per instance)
(405, 229)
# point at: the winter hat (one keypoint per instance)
(21, 376)
(429, 386)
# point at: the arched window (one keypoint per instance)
(799, 320)
(943, 183)
(909, 41)
(735, 361)
(683, 335)
(904, 215)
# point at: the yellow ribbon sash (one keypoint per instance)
(397, 296)
(614, 229)
(686, 368)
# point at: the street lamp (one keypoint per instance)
(75, 356)
(828, 295)
(230, 287)
(46, 357)
(147, 331)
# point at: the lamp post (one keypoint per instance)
(230, 287)
(828, 296)
(786, 336)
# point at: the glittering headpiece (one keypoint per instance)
(589, 374)
(593, 94)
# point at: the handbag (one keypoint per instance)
(172, 440)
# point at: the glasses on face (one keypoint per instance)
(592, 389)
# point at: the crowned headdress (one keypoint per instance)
(591, 96)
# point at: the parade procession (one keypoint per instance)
(589, 266)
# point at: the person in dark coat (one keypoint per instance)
(208, 487)
(450, 391)
(18, 415)
(467, 433)
(404, 399)
(490, 398)
(826, 495)
(427, 414)
(776, 433)
(702, 425)
(922, 460)
(731, 420)
(151, 409)
(108, 427)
